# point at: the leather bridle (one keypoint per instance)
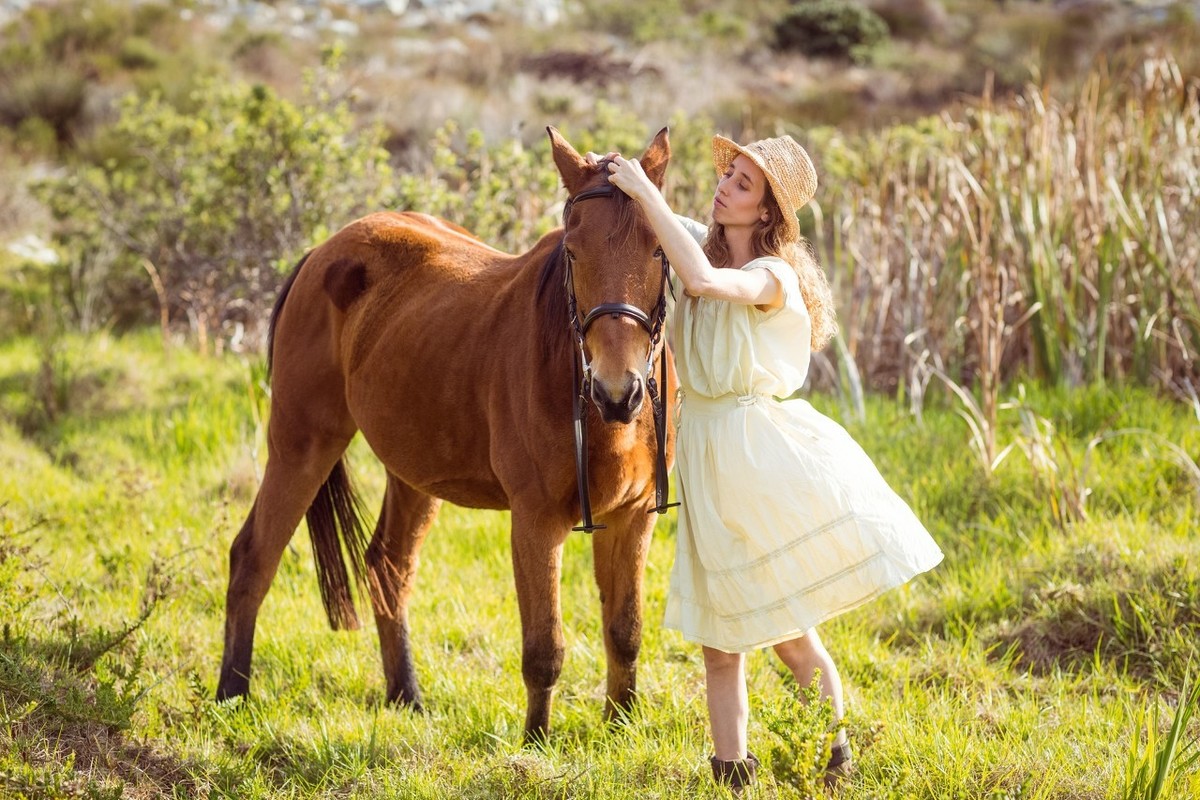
(652, 323)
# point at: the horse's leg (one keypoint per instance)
(620, 561)
(297, 466)
(392, 564)
(537, 567)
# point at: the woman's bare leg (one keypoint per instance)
(805, 655)
(728, 705)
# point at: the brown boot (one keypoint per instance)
(737, 775)
(840, 764)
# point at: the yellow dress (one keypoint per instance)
(785, 522)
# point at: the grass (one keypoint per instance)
(1046, 658)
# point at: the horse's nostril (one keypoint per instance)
(599, 395)
(634, 398)
(625, 405)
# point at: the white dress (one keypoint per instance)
(785, 522)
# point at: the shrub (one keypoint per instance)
(58, 33)
(209, 205)
(830, 28)
(912, 19)
(48, 93)
(139, 53)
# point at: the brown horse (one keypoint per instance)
(455, 361)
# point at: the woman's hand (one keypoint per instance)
(628, 176)
(594, 158)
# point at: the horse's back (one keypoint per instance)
(389, 256)
(394, 241)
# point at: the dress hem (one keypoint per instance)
(799, 630)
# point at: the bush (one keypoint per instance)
(912, 19)
(830, 28)
(139, 53)
(48, 93)
(210, 205)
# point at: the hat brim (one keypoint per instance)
(725, 150)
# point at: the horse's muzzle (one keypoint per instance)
(623, 407)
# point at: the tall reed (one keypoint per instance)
(1079, 217)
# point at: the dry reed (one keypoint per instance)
(1035, 237)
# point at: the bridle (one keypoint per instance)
(652, 323)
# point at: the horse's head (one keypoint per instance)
(615, 274)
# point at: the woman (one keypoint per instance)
(784, 522)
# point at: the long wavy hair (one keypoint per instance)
(770, 238)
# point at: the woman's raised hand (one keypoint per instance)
(628, 176)
(594, 158)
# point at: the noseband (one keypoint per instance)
(652, 323)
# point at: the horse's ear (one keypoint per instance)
(571, 166)
(654, 160)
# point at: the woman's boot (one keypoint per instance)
(839, 766)
(737, 775)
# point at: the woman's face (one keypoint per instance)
(739, 197)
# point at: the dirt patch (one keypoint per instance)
(105, 763)
(599, 68)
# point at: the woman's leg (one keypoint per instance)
(805, 655)
(728, 706)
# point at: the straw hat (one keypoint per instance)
(788, 168)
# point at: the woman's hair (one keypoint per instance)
(770, 239)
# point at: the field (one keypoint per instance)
(1048, 657)
(1008, 215)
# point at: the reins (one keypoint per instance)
(652, 323)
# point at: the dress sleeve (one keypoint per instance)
(793, 300)
(698, 230)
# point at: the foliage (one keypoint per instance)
(49, 94)
(53, 55)
(212, 205)
(1010, 240)
(802, 731)
(1154, 765)
(63, 686)
(834, 28)
(914, 19)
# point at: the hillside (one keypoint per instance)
(512, 67)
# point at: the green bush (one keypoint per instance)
(208, 206)
(830, 28)
(50, 93)
(63, 33)
(139, 53)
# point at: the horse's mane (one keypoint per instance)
(631, 230)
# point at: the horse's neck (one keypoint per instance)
(540, 281)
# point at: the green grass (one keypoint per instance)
(1044, 659)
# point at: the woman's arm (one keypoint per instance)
(700, 279)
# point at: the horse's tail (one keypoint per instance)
(336, 519)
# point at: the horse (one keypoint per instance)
(458, 364)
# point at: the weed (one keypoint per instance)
(1156, 761)
(803, 730)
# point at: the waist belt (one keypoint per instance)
(702, 404)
